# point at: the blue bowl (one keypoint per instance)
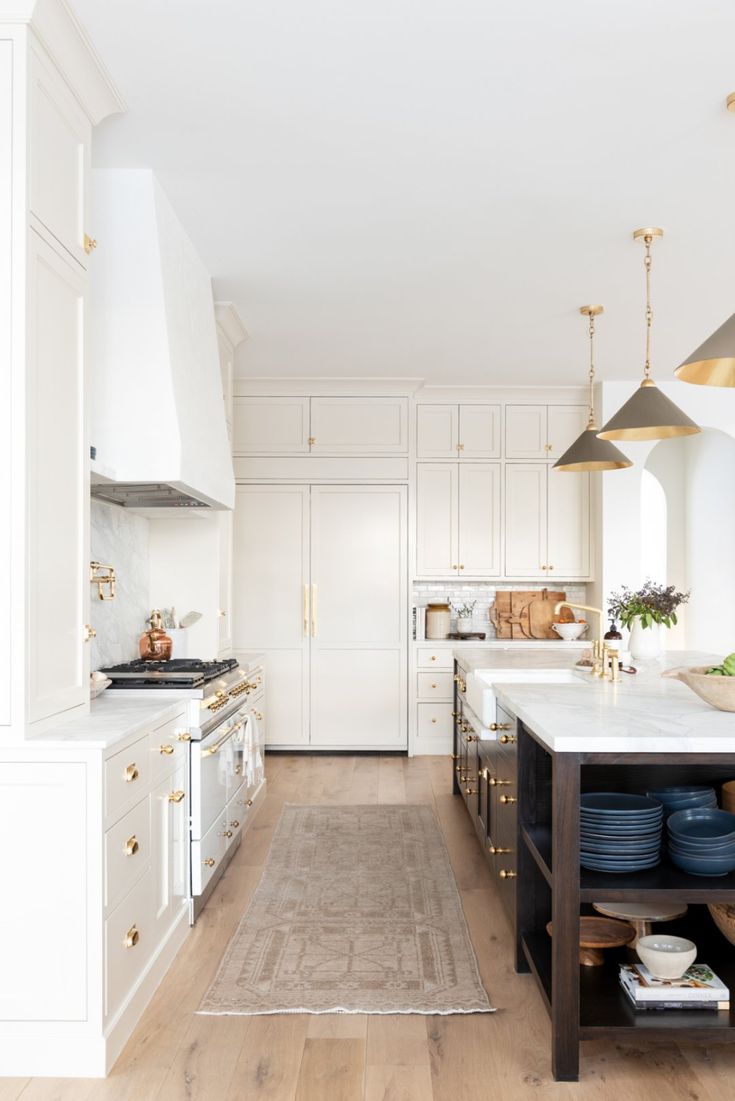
(698, 865)
(702, 822)
(702, 846)
(679, 791)
(618, 803)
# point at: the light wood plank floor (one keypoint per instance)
(176, 1056)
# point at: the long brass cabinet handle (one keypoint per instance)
(313, 611)
(218, 745)
(506, 873)
(176, 796)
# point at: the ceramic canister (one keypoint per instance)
(438, 620)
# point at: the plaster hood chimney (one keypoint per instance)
(158, 424)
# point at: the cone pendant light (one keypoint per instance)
(713, 363)
(648, 414)
(589, 452)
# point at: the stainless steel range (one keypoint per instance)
(226, 774)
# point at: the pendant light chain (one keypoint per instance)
(592, 371)
(649, 312)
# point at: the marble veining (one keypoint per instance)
(111, 720)
(121, 539)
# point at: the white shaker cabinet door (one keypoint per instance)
(565, 424)
(359, 617)
(271, 611)
(526, 432)
(270, 426)
(479, 431)
(569, 551)
(525, 520)
(437, 519)
(58, 501)
(169, 837)
(437, 431)
(479, 520)
(359, 426)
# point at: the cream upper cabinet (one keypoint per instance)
(479, 520)
(525, 519)
(542, 431)
(437, 519)
(59, 159)
(58, 496)
(569, 550)
(565, 423)
(270, 426)
(458, 431)
(359, 426)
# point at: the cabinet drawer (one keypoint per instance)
(434, 720)
(438, 658)
(166, 749)
(207, 854)
(435, 686)
(127, 852)
(128, 943)
(237, 814)
(127, 777)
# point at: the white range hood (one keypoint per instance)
(158, 418)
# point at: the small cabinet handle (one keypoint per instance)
(131, 846)
(90, 244)
(176, 796)
(235, 824)
(507, 873)
(89, 632)
(507, 799)
(470, 791)
(209, 862)
(496, 851)
(132, 937)
(433, 657)
(166, 750)
(226, 833)
(184, 736)
(501, 726)
(131, 774)
(507, 739)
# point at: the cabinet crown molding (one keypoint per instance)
(230, 323)
(67, 43)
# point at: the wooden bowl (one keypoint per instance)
(718, 692)
(723, 915)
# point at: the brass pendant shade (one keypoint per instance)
(589, 452)
(713, 363)
(648, 414)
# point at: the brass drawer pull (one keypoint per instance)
(235, 824)
(132, 937)
(184, 736)
(496, 851)
(507, 739)
(176, 796)
(508, 799)
(238, 770)
(167, 750)
(209, 862)
(258, 716)
(506, 873)
(226, 833)
(131, 774)
(504, 783)
(501, 726)
(131, 846)
(470, 791)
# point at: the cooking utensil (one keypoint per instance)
(190, 619)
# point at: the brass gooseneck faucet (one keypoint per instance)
(600, 651)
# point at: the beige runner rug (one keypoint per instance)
(357, 911)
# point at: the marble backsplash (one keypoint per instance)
(120, 539)
(483, 593)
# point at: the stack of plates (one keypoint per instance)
(702, 841)
(620, 832)
(686, 797)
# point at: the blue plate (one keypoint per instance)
(592, 865)
(623, 851)
(703, 823)
(685, 804)
(617, 802)
(682, 790)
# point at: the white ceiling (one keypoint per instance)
(430, 188)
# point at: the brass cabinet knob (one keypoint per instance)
(460, 447)
(167, 750)
(258, 716)
(176, 796)
(501, 726)
(508, 799)
(184, 736)
(483, 774)
(495, 850)
(461, 567)
(131, 846)
(250, 802)
(312, 440)
(235, 824)
(507, 739)
(246, 802)
(470, 791)
(90, 244)
(209, 862)
(131, 773)
(132, 937)
(506, 873)
(544, 567)
(454, 565)
(433, 657)
(551, 567)
(226, 833)
(89, 632)
(221, 613)
(454, 757)
(238, 770)
(433, 685)
(433, 720)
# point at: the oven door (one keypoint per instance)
(215, 762)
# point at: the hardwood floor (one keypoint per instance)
(176, 1056)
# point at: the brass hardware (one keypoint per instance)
(249, 802)
(103, 576)
(548, 447)
(167, 750)
(238, 770)
(433, 657)
(460, 447)
(497, 851)
(221, 614)
(504, 783)
(433, 686)
(551, 567)
(730, 102)
(89, 632)
(508, 799)
(454, 757)
(221, 699)
(433, 720)
(615, 670)
(239, 690)
(472, 738)
(313, 611)
(461, 567)
(462, 686)
(184, 736)
(90, 244)
(501, 726)
(131, 773)
(132, 937)
(258, 716)
(454, 566)
(235, 824)
(312, 440)
(306, 609)
(176, 796)
(226, 833)
(131, 846)
(470, 791)
(455, 714)
(492, 782)
(209, 862)
(211, 750)
(507, 739)
(507, 874)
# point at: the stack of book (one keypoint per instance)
(698, 988)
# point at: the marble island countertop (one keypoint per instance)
(644, 713)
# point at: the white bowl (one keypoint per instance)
(570, 632)
(666, 957)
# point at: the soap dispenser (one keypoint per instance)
(155, 644)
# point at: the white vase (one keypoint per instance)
(645, 642)
(464, 624)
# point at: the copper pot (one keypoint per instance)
(155, 644)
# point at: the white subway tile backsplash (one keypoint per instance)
(424, 592)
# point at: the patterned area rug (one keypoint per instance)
(357, 911)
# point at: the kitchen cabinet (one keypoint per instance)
(458, 520)
(320, 586)
(542, 431)
(458, 431)
(320, 425)
(224, 611)
(169, 845)
(547, 522)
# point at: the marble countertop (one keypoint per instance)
(644, 713)
(111, 720)
(523, 655)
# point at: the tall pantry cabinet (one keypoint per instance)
(45, 248)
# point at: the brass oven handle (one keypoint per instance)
(132, 937)
(131, 846)
(313, 611)
(176, 796)
(470, 791)
(211, 750)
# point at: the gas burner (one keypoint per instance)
(180, 672)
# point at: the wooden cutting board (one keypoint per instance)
(541, 614)
(525, 614)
